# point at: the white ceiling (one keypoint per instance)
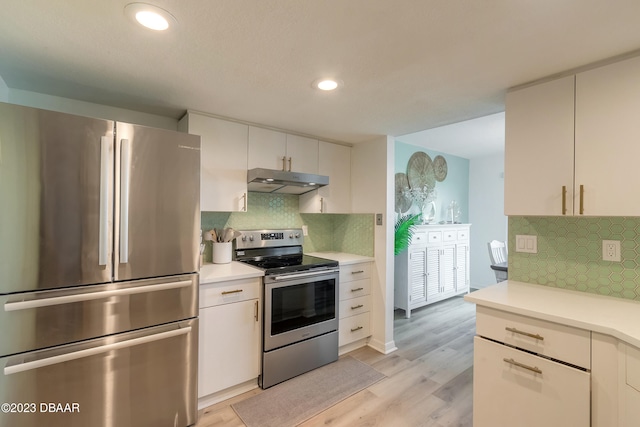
(407, 65)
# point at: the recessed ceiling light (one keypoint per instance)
(326, 84)
(150, 16)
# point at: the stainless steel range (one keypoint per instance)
(300, 295)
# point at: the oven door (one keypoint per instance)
(299, 306)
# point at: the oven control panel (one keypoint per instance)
(269, 238)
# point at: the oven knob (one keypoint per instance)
(251, 237)
(297, 235)
(244, 238)
(291, 236)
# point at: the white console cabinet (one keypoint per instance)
(435, 266)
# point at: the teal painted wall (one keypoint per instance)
(570, 254)
(351, 233)
(454, 187)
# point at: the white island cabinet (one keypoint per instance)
(529, 373)
(230, 333)
(223, 162)
(550, 357)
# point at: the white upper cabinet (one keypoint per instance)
(579, 132)
(539, 149)
(271, 149)
(334, 161)
(223, 162)
(607, 136)
(302, 154)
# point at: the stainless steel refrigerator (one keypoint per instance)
(99, 239)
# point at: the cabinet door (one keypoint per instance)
(462, 267)
(508, 395)
(417, 276)
(223, 163)
(447, 268)
(607, 135)
(433, 272)
(267, 149)
(539, 132)
(229, 349)
(334, 161)
(302, 154)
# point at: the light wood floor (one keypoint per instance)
(429, 377)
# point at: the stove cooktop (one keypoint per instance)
(289, 263)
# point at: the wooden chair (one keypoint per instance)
(498, 254)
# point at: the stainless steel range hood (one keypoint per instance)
(275, 181)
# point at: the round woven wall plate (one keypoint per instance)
(420, 171)
(440, 168)
(403, 203)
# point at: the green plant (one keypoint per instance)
(403, 231)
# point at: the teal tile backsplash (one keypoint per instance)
(570, 254)
(352, 233)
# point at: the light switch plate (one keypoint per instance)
(527, 243)
(378, 219)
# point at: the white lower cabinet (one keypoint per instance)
(355, 303)
(515, 388)
(230, 333)
(630, 387)
(530, 372)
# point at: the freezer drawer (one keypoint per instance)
(146, 378)
(36, 320)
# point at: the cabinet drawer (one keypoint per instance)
(354, 306)
(633, 367)
(227, 292)
(546, 338)
(419, 238)
(434, 236)
(463, 234)
(352, 272)
(357, 288)
(449, 235)
(506, 393)
(353, 328)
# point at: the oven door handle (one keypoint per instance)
(311, 273)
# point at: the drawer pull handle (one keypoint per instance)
(357, 272)
(357, 307)
(522, 365)
(515, 331)
(356, 328)
(237, 291)
(357, 289)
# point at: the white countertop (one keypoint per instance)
(211, 273)
(342, 257)
(617, 317)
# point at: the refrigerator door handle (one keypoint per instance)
(27, 366)
(105, 180)
(125, 171)
(45, 302)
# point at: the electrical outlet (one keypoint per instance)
(611, 250)
(378, 219)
